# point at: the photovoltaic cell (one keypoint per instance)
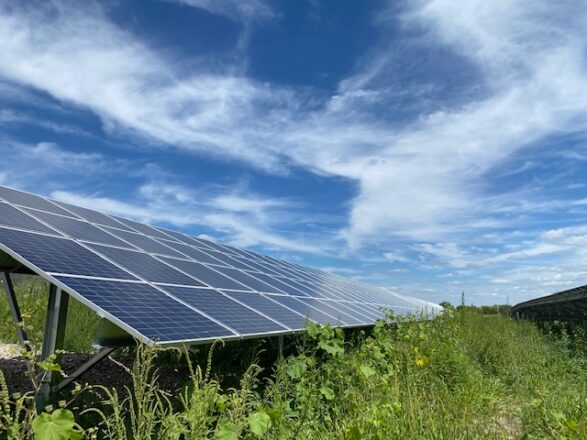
(10, 216)
(277, 285)
(145, 229)
(60, 255)
(145, 266)
(92, 216)
(213, 245)
(258, 266)
(305, 310)
(195, 253)
(206, 275)
(147, 310)
(145, 243)
(285, 316)
(247, 280)
(360, 317)
(226, 260)
(77, 228)
(331, 309)
(240, 318)
(29, 200)
(197, 243)
(305, 289)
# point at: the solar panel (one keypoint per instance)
(287, 317)
(14, 217)
(237, 316)
(58, 255)
(169, 287)
(77, 228)
(149, 311)
(145, 266)
(306, 310)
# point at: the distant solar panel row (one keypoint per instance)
(168, 287)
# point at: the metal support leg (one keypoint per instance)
(54, 333)
(280, 345)
(85, 367)
(15, 310)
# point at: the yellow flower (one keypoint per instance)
(421, 362)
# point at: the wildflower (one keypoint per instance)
(421, 362)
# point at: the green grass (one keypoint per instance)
(32, 293)
(460, 376)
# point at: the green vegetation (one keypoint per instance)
(31, 294)
(464, 375)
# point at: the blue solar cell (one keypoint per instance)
(354, 315)
(206, 275)
(258, 266)
(331, 310)
(194, 253)
(145, 229)
(305, 310)
(348, 308)
(178, 236)
(278, 285)
(247, 280)
(92, 216)
(147, 310)
(30, 200)
(283, 315)
(59, 255)
(145, 266)
(10, 216)
(307, 290)
(226, 260)
(213, 245)
(77, 228)
(375, 309)
(372, 314)
(194, 241)
(145, 243)
(229, 312)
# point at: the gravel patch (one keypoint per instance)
(9, 351)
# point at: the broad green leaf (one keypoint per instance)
(259, 423)
(49, 365)
(296, 368)
(367, 371)
(227, 431)
(331, 347)
(59, 425)
(572, 424)
(327, 392)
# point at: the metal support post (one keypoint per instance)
(15, 310)
(280, 345)
(54, 334)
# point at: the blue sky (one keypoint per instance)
(429, 146)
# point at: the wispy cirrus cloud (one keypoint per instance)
(245, 10)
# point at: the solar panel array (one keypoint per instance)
(168, 287)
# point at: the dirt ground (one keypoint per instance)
(110, 372)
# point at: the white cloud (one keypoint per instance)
(237, 9)
(427, 178)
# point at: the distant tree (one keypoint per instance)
(446, 305)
